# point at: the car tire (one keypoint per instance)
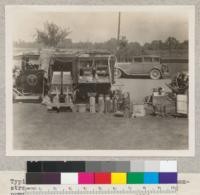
(118, 73)
(155, 74)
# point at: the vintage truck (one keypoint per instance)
(27, 74)
(81, 74)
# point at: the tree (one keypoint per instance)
(146, 46)
(134, 49)
(172, 43)
(155, 45)
(183, 45)
(123, 48)
(52, 34)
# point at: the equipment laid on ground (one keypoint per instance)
(95, 74)
(92, 104)
(108, 104)
(180, 83)
(25, 98)
(182, 104)
(173, 103)
(82, 108)
(101, 104)
(61, 84)
(161, 102)
(73, 77)
(138, 110)
(122, 105)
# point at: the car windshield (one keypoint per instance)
(147, 59)
(137, 59)
(102, 62)
(156, 59)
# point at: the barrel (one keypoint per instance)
(92, 104)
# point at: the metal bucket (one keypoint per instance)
(81, 108)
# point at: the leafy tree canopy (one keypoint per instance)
(51, 35)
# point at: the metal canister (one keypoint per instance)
(108, 105)
(92, 104)
(101, 104)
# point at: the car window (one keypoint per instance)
(101, 62)
(137, 59)
(156, 59)
(147, 59)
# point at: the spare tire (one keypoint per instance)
(32, 79)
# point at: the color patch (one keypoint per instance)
(56, 166)
(168, 178)
(72, 166)
(118, 178)
(34, 178)
(34, 166)
(135, 178)
(152, 166)
(122, 166)
(151, 178)
(69, 178)
(137, 166)
(108, 166)
(168, 166)
(93, 166)
(52, 166)
(86, 178)
(102, 178)
(51, 178)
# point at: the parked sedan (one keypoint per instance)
(142, 66)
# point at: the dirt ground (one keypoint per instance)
(37, 129)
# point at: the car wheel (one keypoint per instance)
(118, 73)
(155, 74)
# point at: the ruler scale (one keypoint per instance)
(101, 189)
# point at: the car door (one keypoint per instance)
(137, 66)
(148, 64)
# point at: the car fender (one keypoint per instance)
(123, 71)
(156, 69)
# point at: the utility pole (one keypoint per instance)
(118, 36)
(119, 26)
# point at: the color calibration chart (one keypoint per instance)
(101, 177)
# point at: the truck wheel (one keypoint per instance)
(155, 74)
(118, 73)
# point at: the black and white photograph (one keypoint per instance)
(100, 78)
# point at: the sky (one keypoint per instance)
(99, 26)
